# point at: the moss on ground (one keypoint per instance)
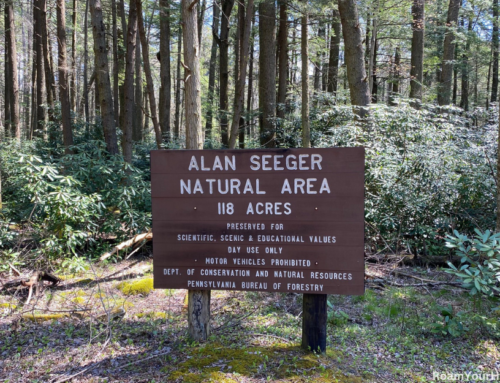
(139, 287)
(44, 317)
(8, 306)
(153, 315)
(220, 363)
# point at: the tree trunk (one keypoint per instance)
(49, 75)
(250, 119)
(102, 77)
(333, 64)
(317, 64)
(211, 72)
(282, 59)
(267, 73)
(417, 49)
(242, 73)
(223, 40)
(444, 93)
(73, 81)
(85, 65)
(128, 86)
(395, 80)
(374, 91)
(138, 124)
(356, 74)
(116, 89)
(10, 37)
(7, 75)
(63, 77)
(304, 53)
(165, 82)
(178, 86)
(455, 79)
(495, 42)
(40, 79)
(149, 76)
(498, 172)
(201, 16)
(464, 99)
(199, 300)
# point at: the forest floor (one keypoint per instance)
(108, 324)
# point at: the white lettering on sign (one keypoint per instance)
(249, 262)
(195, 237)
(228, 186)
(217, 165)
(304, 162)
(301, 186)
(269, 208)
(171, 272)
(322, 239)
(303, 287)
(333, 276)
(288, 274)
(225, 273)
(212, 284)
(254, 285)
(246, 226)
(291, 262)
(216, 261)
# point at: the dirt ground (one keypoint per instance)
(108, 325)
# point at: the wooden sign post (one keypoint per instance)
(287, 220)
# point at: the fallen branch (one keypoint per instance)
(430, 283)
(35, 278)
(130, 242)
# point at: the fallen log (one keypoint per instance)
(128, 243)
(29, 282)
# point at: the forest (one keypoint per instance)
(91, 87)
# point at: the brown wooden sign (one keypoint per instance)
(289, 220)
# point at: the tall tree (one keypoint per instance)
(333, 63)
(116, 91)
(396, 75)
(149, 76)
(50, 83)
(282, 59)
(13, 89)
(211, 71)
(40, 74)
(304, 55)
(223, 41)
(250, 119)
(496, 46)
(177, 123)
(85, 65)
(267, 73)
(199, 300)
(128, 86)
(103, 83)
(72, 85)
(444, 91)
(417, 49)
(165, 83)
(319, 56)
(242, 73)
(464, 99)
(64, 77)
(356, 74)
(139, 122)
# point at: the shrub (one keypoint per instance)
(479, 268)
